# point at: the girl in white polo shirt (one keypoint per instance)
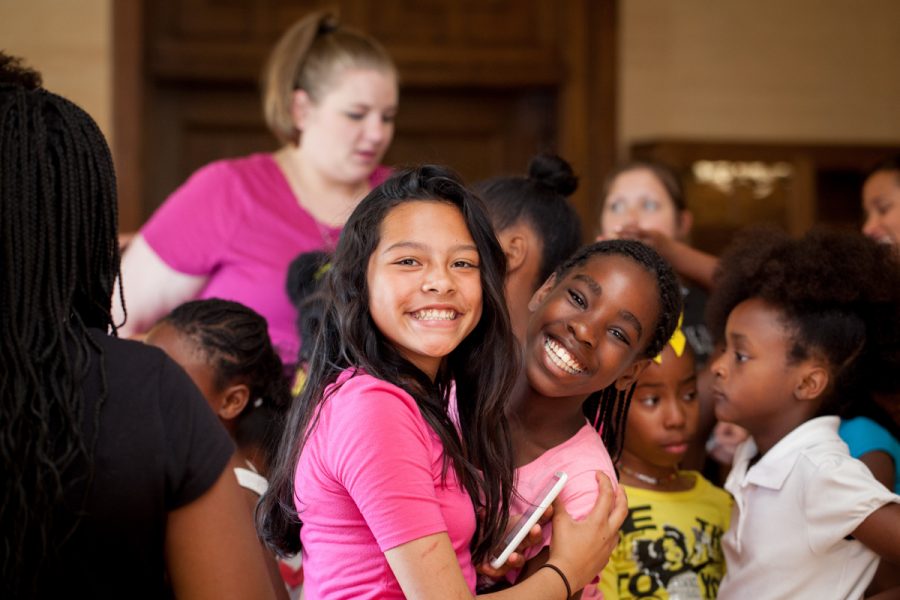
(808, 326)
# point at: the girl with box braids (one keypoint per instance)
(113, 469)
(608, 408)
(594, 325)
(59, 260)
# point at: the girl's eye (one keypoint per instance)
(407, 262)
(690, 396)
(388, 118)
(577, 299)
(620, 335)
(650, 401)
(465, 264)
(740, 357)
(353, 116)
(650, 205)
(616, 206)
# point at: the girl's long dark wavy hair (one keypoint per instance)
(59, 259)
(608, 408)
(234, 341)
(482, 366)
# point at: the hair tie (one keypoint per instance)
(677, 341)
(562, 576)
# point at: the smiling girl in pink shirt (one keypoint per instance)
(382, 485)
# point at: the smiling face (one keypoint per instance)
(637, 198)
(663, 416)
(345, 133)
(589, 329)
(881, 204)
(424, 282)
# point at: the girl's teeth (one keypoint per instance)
(435, 315)
(561, 357)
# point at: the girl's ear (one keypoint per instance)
(813, 382)
(515, 247)
(631, 374)
(300, 105)
(234, 399)
(541, 293)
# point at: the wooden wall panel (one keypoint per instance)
(823, 185)
(484, 84)
(480, 133)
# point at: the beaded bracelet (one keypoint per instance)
(562, 576)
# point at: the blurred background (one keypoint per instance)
(770, 110)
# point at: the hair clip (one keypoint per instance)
(257, 403)
(677, 341)
(320, 273)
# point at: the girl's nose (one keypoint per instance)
(872, 226)
(674, 416)
(632, 215)
(376, 128)
(437, 279)
(717, 367)
(583, 332)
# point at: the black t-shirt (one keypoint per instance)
(159, 448)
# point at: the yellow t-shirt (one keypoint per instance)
(670, 545)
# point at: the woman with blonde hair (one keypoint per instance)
(230, 231)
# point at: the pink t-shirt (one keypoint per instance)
(368, 480)
(581, 456)
(238, 223)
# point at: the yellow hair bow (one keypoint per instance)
(677, 341)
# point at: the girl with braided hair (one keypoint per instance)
(676, 551)
(225, 348)
(595, 325)
(114, 471)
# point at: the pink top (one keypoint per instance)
(581, 456)
(368, 480)
(238, 223)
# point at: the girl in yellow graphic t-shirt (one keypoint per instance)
(670, 543)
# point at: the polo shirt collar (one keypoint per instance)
(773, 468)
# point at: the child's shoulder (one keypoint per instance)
(363, 394)
(583, 453)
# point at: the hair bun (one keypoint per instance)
(554, 172)
(329, 23)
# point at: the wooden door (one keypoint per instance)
(484, 85)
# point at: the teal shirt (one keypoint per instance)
(863, 435)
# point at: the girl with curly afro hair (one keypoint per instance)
(808, 326)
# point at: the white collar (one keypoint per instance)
(773, 468)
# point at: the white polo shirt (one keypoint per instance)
(793, 511)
